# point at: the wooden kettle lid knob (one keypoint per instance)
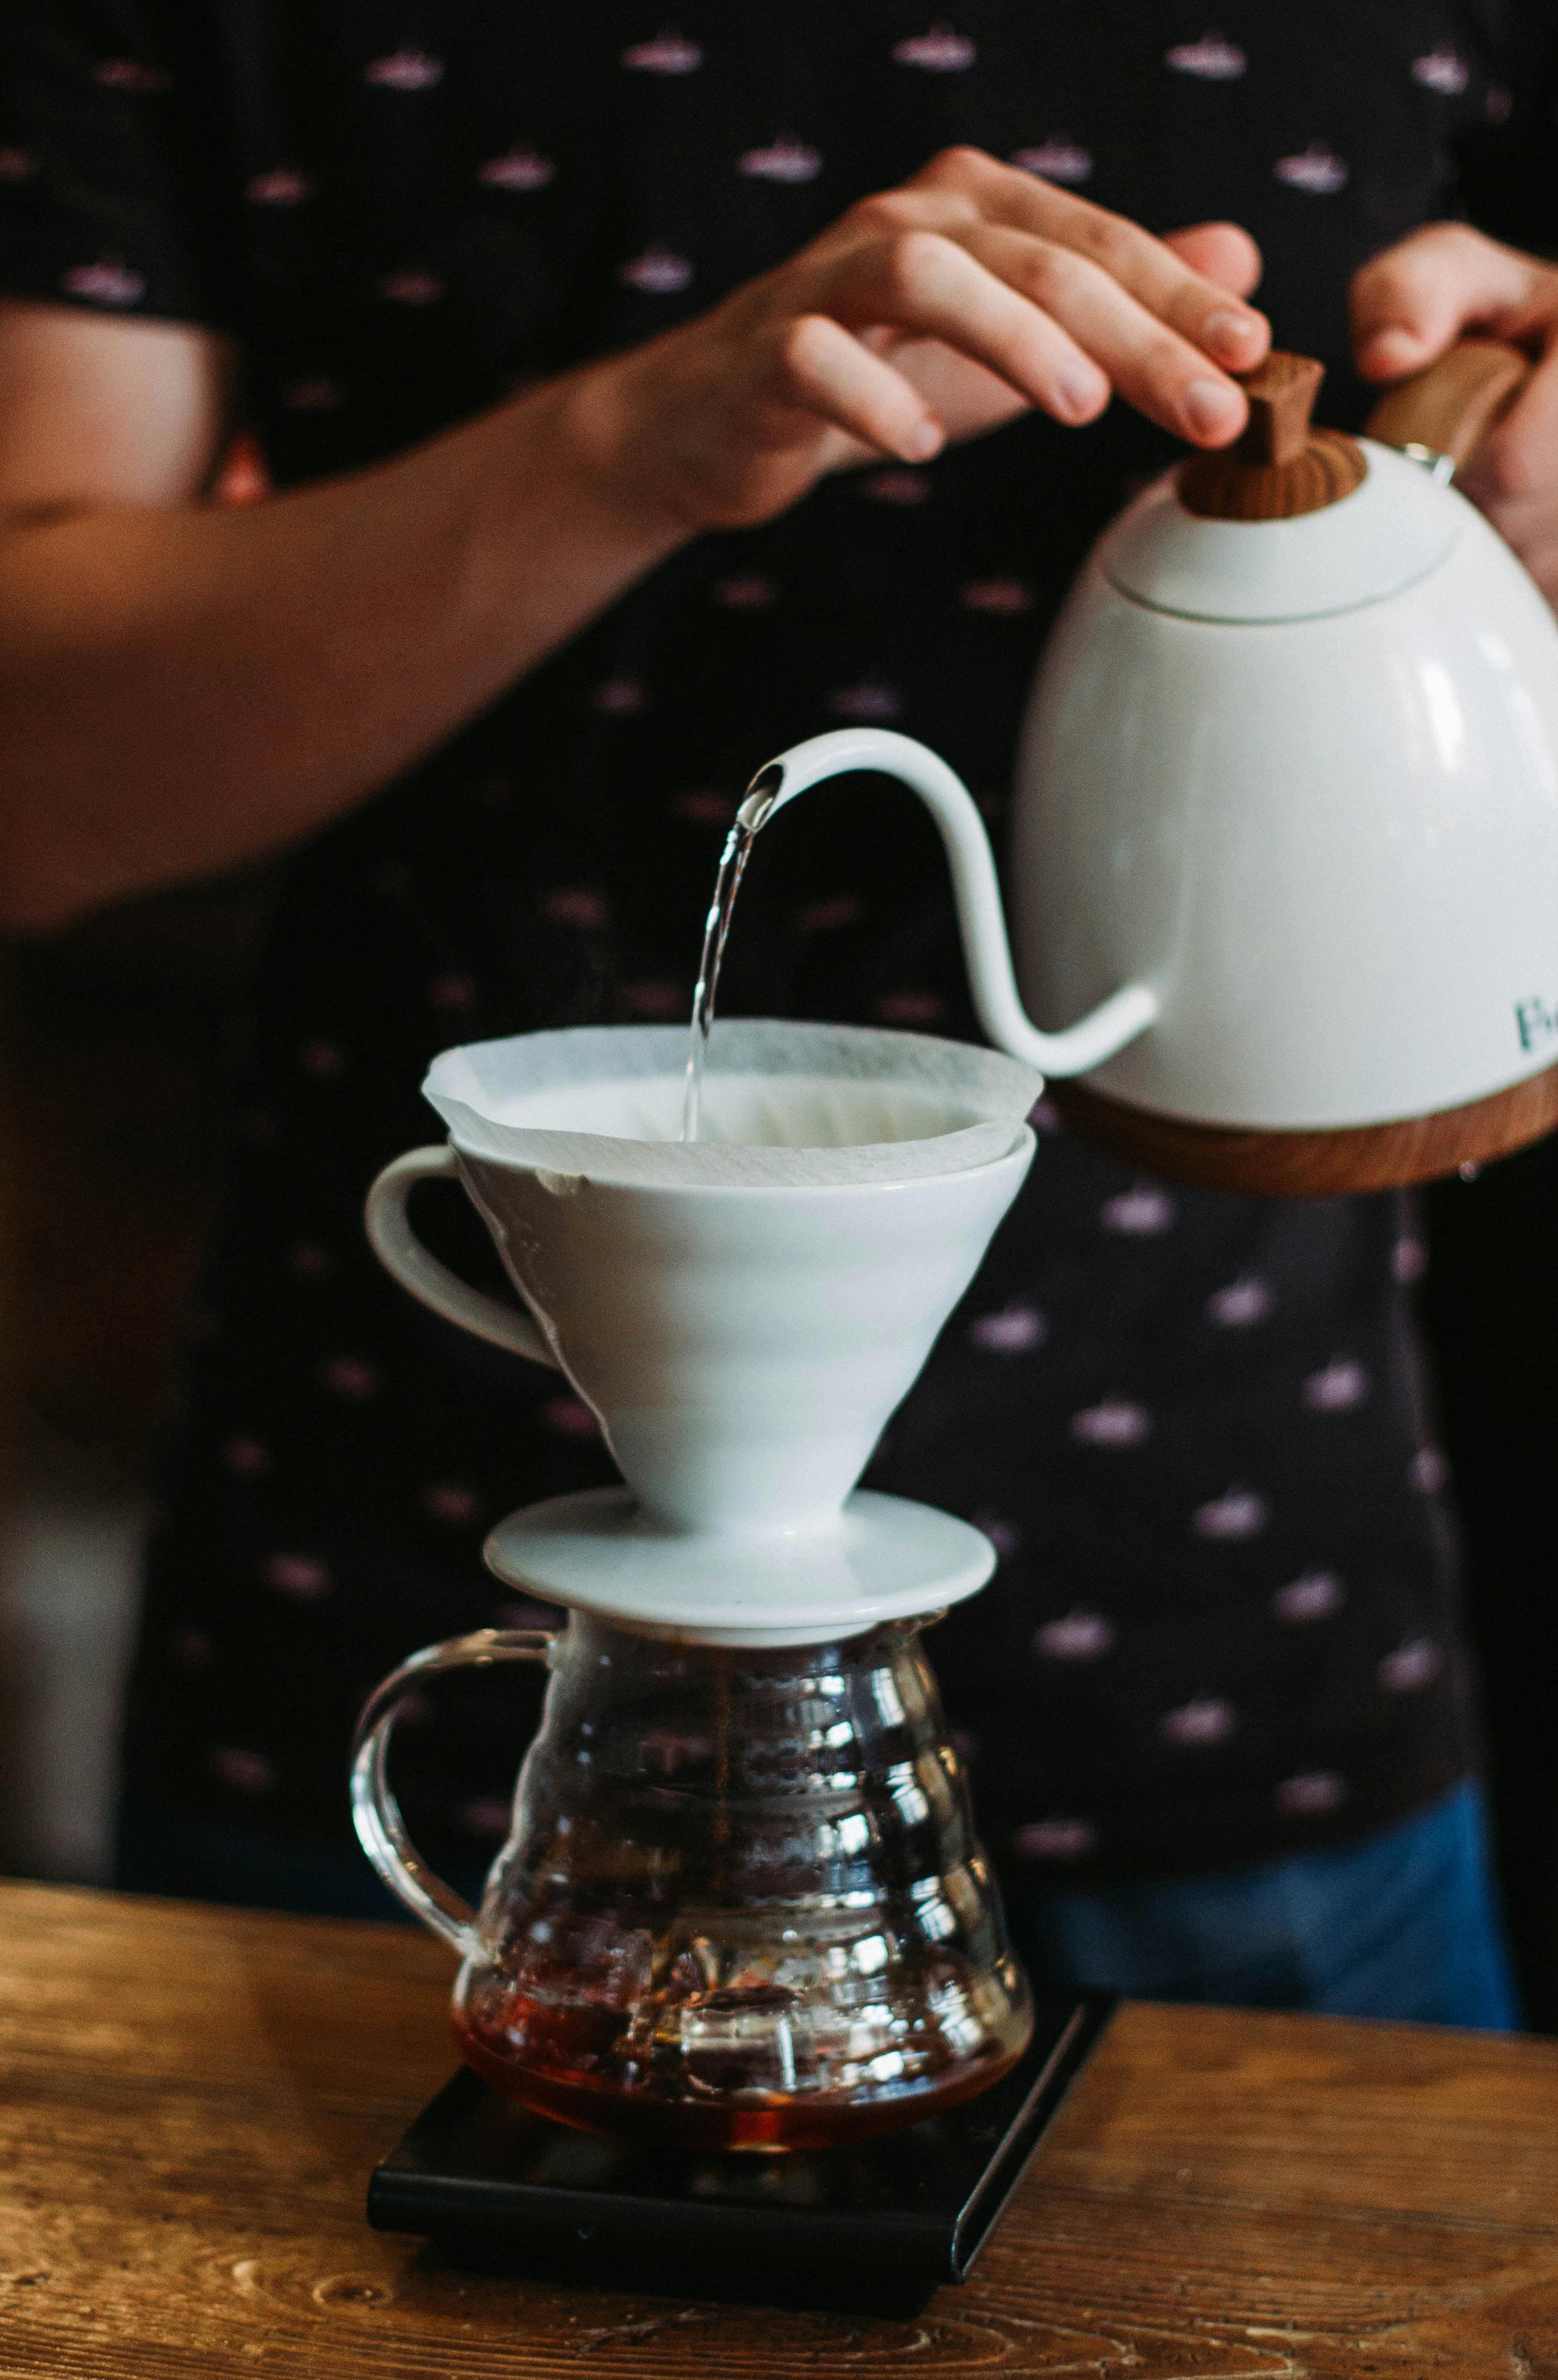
(1280, 466)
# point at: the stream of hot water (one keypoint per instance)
(749, 820)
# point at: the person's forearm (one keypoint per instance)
(182, 688)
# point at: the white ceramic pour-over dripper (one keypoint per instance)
(742, 1312)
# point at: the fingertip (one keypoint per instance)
(924, 441)
(1080, 395)
(1235, 337)
(1238, 259)
(1213, 412)
(1221, 252)
(1388, 353)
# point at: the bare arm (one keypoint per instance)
(182, 687)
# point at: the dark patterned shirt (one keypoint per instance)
(1221, 1627)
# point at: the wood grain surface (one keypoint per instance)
(1324, 1164)
(191, 2100)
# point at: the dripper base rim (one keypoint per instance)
(885, 1557)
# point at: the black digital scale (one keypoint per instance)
(876, 2226)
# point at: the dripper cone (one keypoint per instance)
(744, 1312)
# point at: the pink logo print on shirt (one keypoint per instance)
(522, 169)
(1063, 1839)
(579, 906)
(782, 161)
(1315, 169)
(1410, 1667)
(700, 806)
(129, 74)
(1244, 1301)
(1312, 1796)
(570, 1417)
(1056, 159)
(1212, 59)
(486, 1817)
(895, 487)
(652, 999)
(107, 283)
(1443, 71)
(298, 1575)
(1341, 1385)
(1113, 1422)
(1205, 1720)
(834, 911)
(670, 52)
(1079, 1636)
(411, 287)
(908, 1008)
(1013, 1332)
(245, 1772)
(283, 185)
(746, 593)
(1315, 1596)
(246, 1458)
(1003, 599)
(658, 273)
(869, 700)
(17, 165)
(405, 71)
(452, 1501)
(1001, 1533)
(452, 993)
(1239, 1513)
(313, 394)
(941, 51)
(1139, 1214)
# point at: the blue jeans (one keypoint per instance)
(1401, 1924)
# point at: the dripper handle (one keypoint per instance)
(976, 890)
(415, 1268)
(381, 1830)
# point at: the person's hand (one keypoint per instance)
(928, 313)
(1415, 300)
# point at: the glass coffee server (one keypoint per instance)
(741, 1904)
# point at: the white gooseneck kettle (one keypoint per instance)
(1285, 835)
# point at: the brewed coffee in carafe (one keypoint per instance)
(742, 1905)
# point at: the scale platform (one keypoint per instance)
(878, 2227)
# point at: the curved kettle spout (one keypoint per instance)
(980, 919)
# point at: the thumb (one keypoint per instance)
(1220, 252)
(1410, 303)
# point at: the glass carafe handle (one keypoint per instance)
(375, 1811)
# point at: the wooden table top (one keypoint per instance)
(191, 2099)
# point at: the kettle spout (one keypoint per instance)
(981, 921)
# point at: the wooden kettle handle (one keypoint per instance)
(1452, 404)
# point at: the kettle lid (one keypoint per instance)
(1391, 529)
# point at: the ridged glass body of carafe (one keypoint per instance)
(742, 1904)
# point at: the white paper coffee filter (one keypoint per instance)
(784, 1106)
